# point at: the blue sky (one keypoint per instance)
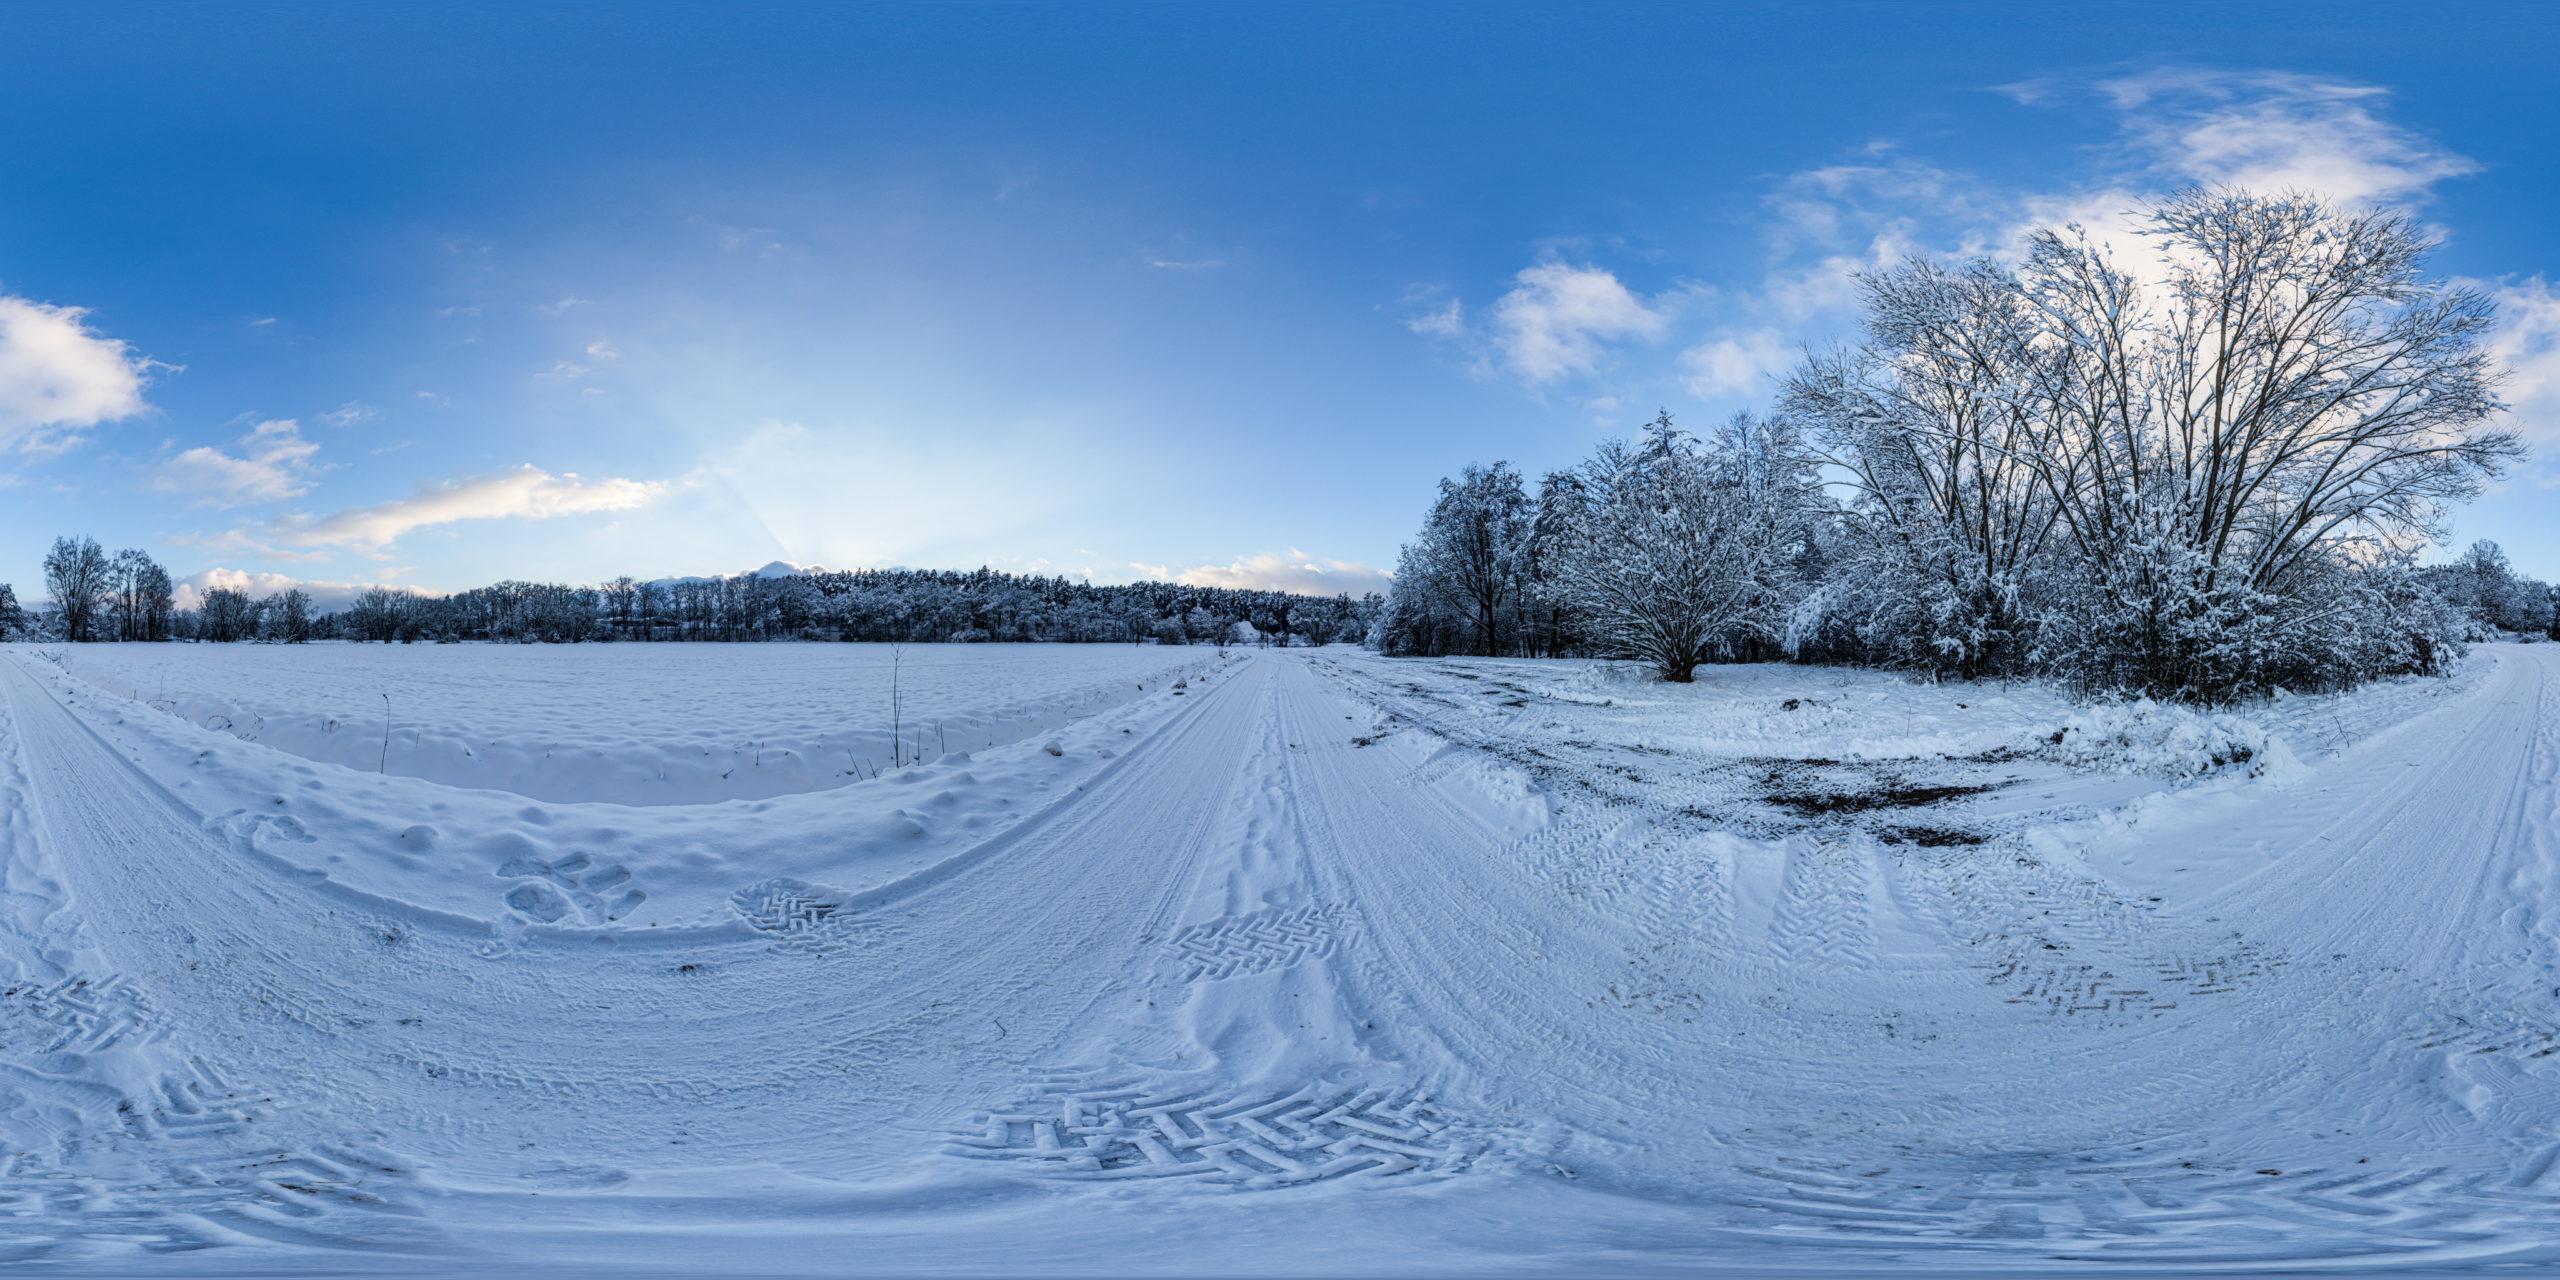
(439, 294)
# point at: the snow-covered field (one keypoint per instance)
(636, 724)
(1276, 962)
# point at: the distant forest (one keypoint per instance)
(126, 596)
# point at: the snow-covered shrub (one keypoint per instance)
(2153, 737)
(1675, 549)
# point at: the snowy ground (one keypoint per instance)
(1315, 963)
(651, 724)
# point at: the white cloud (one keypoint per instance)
(1203, 264)
(1736, 364)
(58, 378)
(732, 238)
(527, 493)
(1295, 572)
(2527, 345)
(2277, 131)
(1445, 321)
(245, 542)
(2270, 132)
(603, 349)
(1557, 317)
(326, 597)
(274, 463)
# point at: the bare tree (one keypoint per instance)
(287, 615)
(227, 616)
(155, 600)
(76, 575)
(622, 597)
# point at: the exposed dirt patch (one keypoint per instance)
(1821, 804)
(1928, 837)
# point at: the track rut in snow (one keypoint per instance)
(2126, 1059)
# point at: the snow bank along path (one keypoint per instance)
(1258, 964)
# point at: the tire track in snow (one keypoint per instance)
(2185, 1032)
(117, 1137)
(1323, 1130)
(1237, 946)
(1244, 1067)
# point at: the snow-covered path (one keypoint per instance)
(1259, 965)
(1907, 1045)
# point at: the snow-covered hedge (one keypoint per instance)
(2153, 737)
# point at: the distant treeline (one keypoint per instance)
(126, 596)
(871, 604)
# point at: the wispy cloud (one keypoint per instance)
(1295, 572)
(348, 414)
(524, 493)
(2278, 131)
(2527, 343)
(1199, 264)
(731, 238)
(1445, 319)
(59, 378)
(274, 463)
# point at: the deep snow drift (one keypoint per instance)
(1284, 962)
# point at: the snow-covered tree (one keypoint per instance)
(2152, 480)
(1926, 422)
(1461, 584)
(1668, 551)
(2301, 393)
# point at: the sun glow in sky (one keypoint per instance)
(442, 294)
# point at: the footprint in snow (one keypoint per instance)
(575, 889)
